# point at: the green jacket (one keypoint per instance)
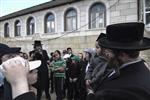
(56, 64)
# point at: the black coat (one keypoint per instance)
(133, 83)
(43, 79)
(26, 96)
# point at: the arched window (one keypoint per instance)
(17, 28)
(97, 16)
(49, 23)
(30, 26)
(147, 14)
(144, 13)
(71, 20)
(6, 30)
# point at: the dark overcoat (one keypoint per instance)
(133, 83)
(43, 79)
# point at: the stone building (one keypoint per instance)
(69, 23)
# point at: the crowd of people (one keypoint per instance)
(111, 71)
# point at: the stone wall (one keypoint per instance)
(78, 43)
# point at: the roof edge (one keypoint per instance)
(40, 7)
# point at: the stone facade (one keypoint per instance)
(116, 12)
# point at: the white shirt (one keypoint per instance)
(87, 66)
(126, 64)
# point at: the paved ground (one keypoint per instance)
(53, 97)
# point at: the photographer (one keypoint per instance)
(43, 80)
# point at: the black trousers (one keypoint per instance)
(1, 93)
(73, 91)
(52, 81)
(40, 91)
(59, 82)
(83, 90)
(43, 87)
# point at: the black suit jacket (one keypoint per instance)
(133, 83)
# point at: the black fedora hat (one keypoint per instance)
(125, 36)
(5, 49)
(37, 43)
(101, 35)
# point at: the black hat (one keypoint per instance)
(37, 43)
(125, 36)
(69, 48)
(100, 36)
(4, 49)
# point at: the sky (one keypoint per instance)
(10, 6)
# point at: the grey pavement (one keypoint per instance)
(53, 97)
